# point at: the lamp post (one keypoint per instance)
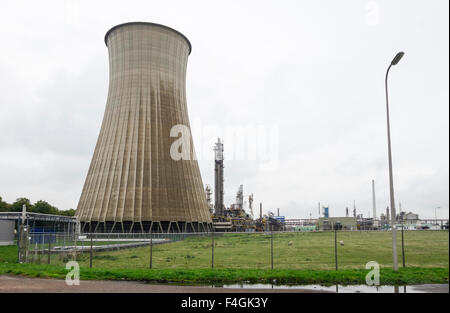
(395, 61)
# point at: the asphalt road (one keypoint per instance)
(17, 284)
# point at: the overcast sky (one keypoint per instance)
(308, 74)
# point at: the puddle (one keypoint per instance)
(429, 288)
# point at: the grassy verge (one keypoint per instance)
(405, 276)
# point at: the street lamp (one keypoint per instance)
(395, 61)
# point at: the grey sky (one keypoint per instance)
(312, 69)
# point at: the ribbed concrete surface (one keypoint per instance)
(132, 176)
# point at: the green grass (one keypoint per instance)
(406, 276)
(306, 251)
(299, 258)
(8, 254)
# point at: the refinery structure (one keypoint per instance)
(238, 216)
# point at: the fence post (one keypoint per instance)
(49, 248)
(335, 247)
(58, 239)
(271, 248)
(403, 248)
(41, 247)
(212, 249)
(36, 247)
(75, 247)
(90, 253)
(151, 247)
(18, 240)
(27, 245)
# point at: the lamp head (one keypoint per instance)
(397, 58)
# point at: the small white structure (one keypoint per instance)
(6, 232)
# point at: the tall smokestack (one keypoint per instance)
(218, 178)
(374, 203)
(278, 212)
(260, 210)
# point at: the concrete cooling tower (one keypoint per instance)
(134, 184)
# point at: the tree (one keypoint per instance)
(4, 206)
(17, 206)
(44, 207)
(40, 206)
(69, 212)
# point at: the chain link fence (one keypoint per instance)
(257, 250)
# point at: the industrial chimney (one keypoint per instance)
(134, 182)
(218, 179)
(374, 202)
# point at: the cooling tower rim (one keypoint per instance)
(147, 23)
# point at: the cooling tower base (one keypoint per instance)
(145, 227)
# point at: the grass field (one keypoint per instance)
(306, 251)
(298, 258)
(407, 276)
(291, 251)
